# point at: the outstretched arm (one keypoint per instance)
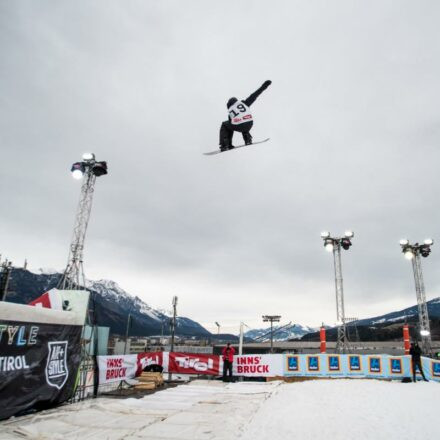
(251, 99)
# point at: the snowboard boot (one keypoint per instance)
(247, 137)
(226, 147)
(226, 144)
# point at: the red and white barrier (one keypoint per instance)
(266, 365)
(122, 367)
(186, 363)
(117, 367)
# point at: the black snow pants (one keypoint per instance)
(417, 362)
(227, 368)
(227, 131)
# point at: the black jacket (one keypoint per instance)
(415, 352)
(251, 98)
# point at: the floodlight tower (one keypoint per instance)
(173, 322)
(413, 252)
(173, 329)
(271, 319)
(88, 170)
(334, 244)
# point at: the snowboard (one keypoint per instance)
(211, 153)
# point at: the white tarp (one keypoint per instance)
(203, 410)
(212, 410)
(25, 313)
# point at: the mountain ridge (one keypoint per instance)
(387, 326)
(111, 305)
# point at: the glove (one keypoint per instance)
(267, 83)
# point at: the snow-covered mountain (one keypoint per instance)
(388, 326)
(111, 304)
(294, 331)
(111, 291)
(401, 315)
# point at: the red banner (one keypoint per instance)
(147, 359)
(185, 363)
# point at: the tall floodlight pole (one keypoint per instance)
(88, 170)
(240, 341)
(271, 319)
(173, 329)
(413, 252)
(334, 244)
(173, 325)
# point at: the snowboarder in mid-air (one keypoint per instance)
(240, 119)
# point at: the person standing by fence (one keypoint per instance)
(228, 359)
(416, 360)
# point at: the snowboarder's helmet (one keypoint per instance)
(231, 102)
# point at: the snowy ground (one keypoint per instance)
(347, 409)
(321, 409)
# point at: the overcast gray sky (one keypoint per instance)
(353, 116)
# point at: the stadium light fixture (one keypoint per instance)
(78, 170)
(329, 246)
(77, 174)
(345, 243)
(325, 234)
(409, 254)
(88, 156)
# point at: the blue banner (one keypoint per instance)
(357, 365)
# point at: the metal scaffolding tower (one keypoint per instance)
(354, 326)
(73, 277)
(5, 274)
(342, 341)
(425, 330)
(415, 252)
(334, 244)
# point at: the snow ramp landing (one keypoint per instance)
(332, 409)
(348, 409)
(201, 410)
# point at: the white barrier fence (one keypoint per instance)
(116, 368)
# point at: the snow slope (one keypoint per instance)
(338, 409)
(348, 409)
